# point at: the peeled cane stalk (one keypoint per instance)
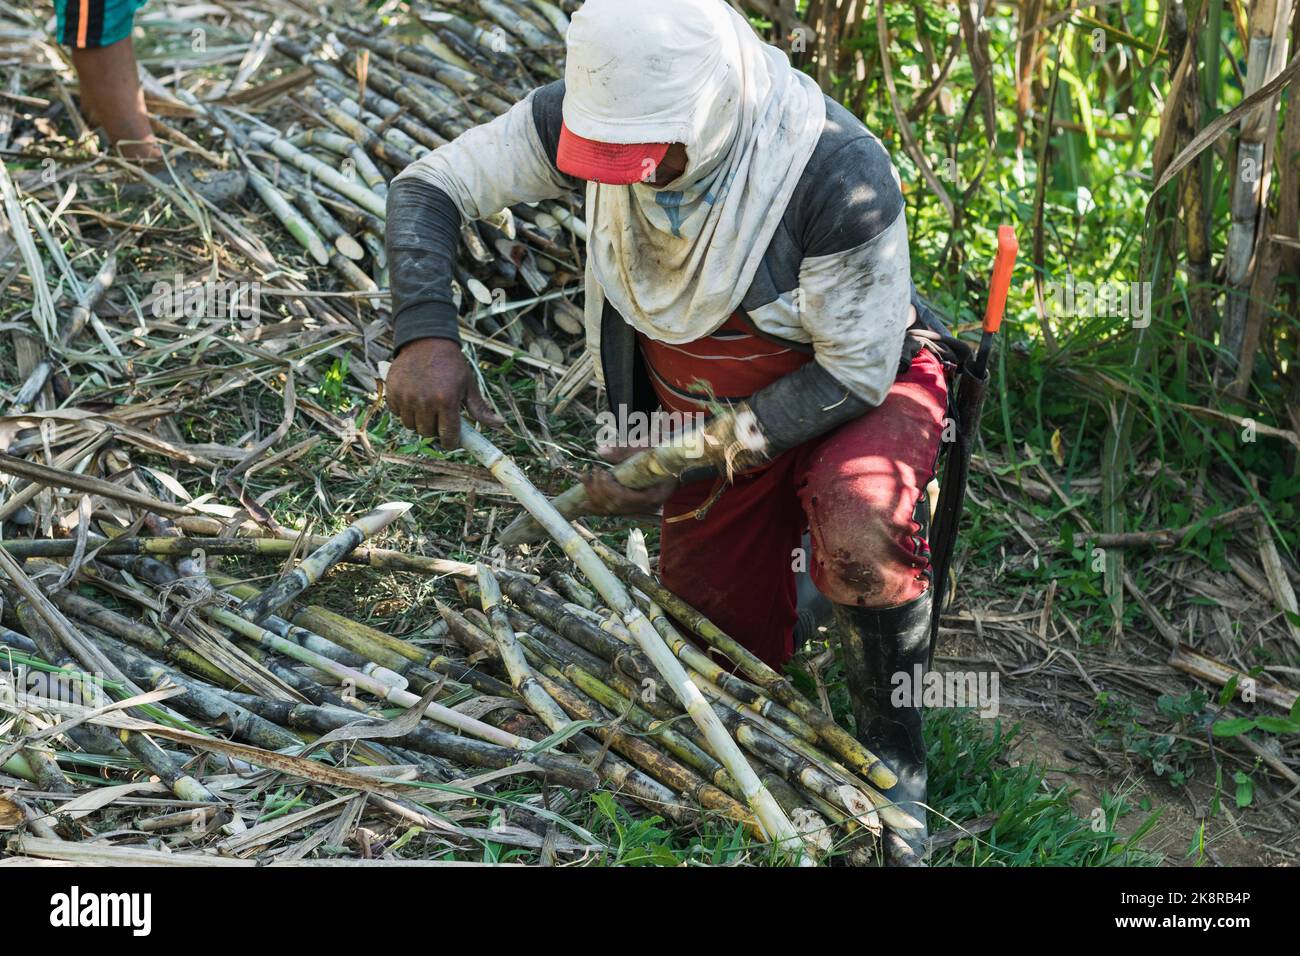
(776, 825)
(310, 569)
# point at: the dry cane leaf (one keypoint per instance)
(11, 815)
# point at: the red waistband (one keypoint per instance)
(728, 365)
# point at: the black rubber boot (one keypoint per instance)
(814, 608)
(878, 643)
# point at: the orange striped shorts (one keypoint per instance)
(90, 24)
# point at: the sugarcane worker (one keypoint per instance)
(747, 232)
(98, 34)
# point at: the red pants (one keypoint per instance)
(855, 489)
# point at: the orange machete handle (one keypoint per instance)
(1003, 265)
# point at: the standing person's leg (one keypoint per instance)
(99, 34)
(735, 565)
(860, 486)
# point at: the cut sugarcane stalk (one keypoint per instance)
(656, 764)
(776, 825)
(621, 774)
(859, 759)
(368, 171)
(560, 770)
(405, 144)
(358, 134)
(330, 228)
(295, 222)
(353, 190)
(352, 274)
(554, 15)
(310, 569)
(366, 682)
(512, 656)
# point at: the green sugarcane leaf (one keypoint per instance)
(1229, 690)
(1233, 727)
(1278, 725)
(405, 838)
(559, 737)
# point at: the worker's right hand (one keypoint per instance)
(428, 383)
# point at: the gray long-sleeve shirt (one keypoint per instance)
(835, 278)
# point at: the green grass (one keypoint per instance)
(1035, 824)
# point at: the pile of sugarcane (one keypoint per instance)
(585, 686)
(365, 104)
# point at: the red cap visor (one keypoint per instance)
(611, 163)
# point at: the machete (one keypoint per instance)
(972, 385)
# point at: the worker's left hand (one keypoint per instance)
(605, 496)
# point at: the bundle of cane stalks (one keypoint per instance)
(130, 665)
